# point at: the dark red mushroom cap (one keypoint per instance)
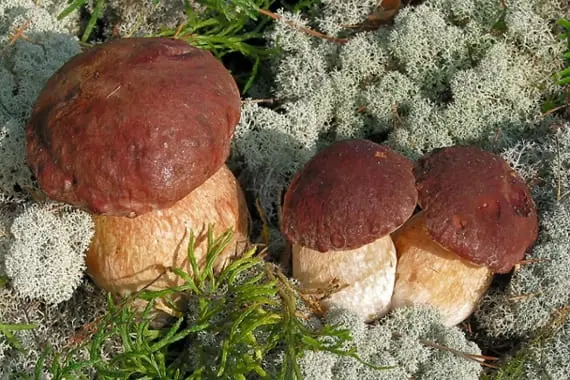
(132, 125)
(348, 195)
(476, 206)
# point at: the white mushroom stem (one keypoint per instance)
(428, 273)
(369, 272)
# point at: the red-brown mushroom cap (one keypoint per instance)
(348, 195)
(132, 125)
(476, 206)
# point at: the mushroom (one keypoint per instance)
(338, 213)
(477, 218)
(136, 131)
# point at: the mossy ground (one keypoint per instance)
(237, 38)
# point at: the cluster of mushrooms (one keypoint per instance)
(137, 131)
(349, 214)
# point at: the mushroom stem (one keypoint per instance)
(428, 273)
(368, 272)
(127, 254)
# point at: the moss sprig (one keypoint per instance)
(75, 5)
(524, 357)
(222, 27)
(7, 330)
(235, 324)
(563, 77)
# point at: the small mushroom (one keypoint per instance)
(136, 131)
(338, 213)
(477, 218)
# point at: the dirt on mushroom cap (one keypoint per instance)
(476, 206)
(348, 195)
(132, 125)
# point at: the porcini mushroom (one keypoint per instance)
(477, 218)
(338, 213)
(136, 131)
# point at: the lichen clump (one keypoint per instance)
(405, 343)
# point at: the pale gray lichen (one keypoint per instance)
(46, 257)
(336, 14)
(428, 48)
(407, 341)
(137, 18)
(7, 214)
(548, 358)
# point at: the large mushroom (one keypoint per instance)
(477, 218)
(338, 213)
(136, 131)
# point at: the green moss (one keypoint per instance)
(234, 323)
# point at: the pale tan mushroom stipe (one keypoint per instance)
(369, 272)
(127, 254)
(427, 273)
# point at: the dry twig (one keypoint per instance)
(481, 359)
(17, 34)
(259, 101)
(522, 297)
(303, 29)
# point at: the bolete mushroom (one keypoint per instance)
(338, 213)
(477, 218)
(136, 131)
